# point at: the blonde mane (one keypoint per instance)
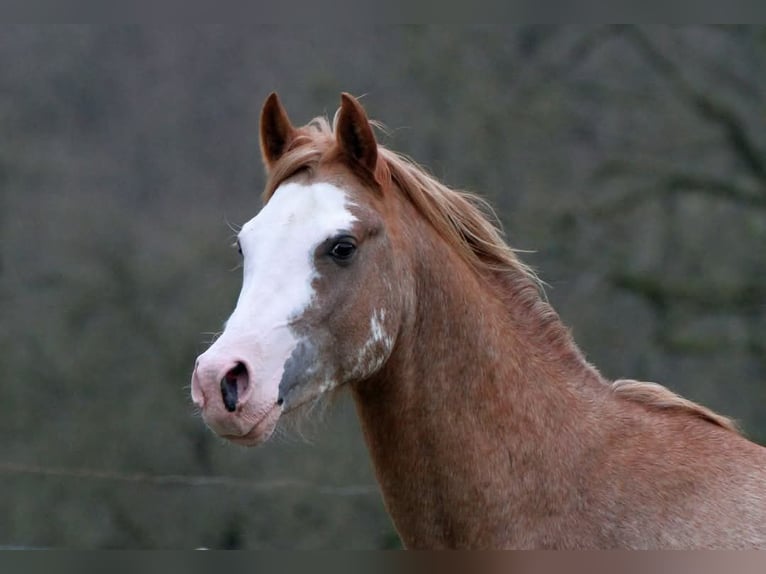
(657, 397)
(469, 224)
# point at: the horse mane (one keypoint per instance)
(470, 225)
(657, 397)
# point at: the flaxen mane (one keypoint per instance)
(470, 226)
(658, 397)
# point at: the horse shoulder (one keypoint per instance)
(676, 478)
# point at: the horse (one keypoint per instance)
(486, 425)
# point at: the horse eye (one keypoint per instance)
(239, 247)
(343, 250)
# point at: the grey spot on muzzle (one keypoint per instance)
(299, 368)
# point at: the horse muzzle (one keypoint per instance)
(231, 403)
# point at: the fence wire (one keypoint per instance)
(10, 468)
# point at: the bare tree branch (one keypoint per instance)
(714, 111)
(710, 186)
(738, 298)
(668, 182)
(589, 43)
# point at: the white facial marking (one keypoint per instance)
(278, 247)
(376, 348)
(376, 327)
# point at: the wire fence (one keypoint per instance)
(191, 481)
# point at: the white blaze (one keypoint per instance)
(278, 246)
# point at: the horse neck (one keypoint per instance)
(475, 403)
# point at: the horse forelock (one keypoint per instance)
(304, 153)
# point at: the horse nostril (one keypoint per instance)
(233, 382)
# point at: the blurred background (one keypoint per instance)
(631, 162)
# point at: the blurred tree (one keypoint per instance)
(708, 185)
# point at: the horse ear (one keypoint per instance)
(276, 130)
(354, 134)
